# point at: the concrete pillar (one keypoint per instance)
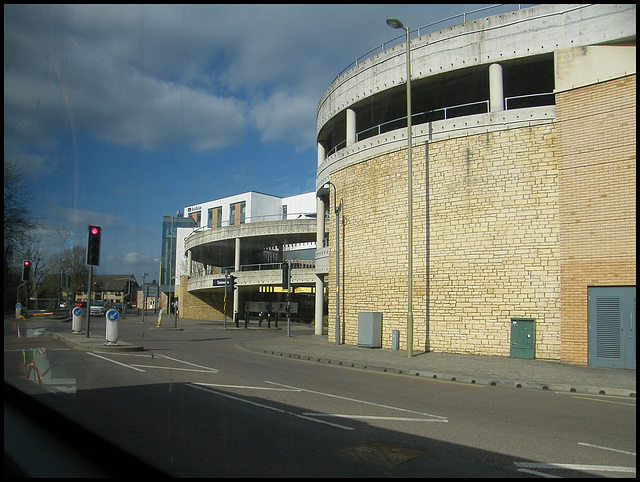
(322, 152)
(189, 263)
(236, 294)
(496, 89)
(319, 278)
(351, 127)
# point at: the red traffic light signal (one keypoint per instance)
(93, 245)
(26, 270)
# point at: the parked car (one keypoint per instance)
(97, 308)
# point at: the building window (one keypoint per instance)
(237, 213)
(284, 212)
(214, 217)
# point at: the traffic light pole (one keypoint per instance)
(289, 299)
(224, 306)
(89, 298)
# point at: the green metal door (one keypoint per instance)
(522, 338)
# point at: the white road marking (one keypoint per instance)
(539, 474)
(177, 369)
(188, 363)
(582, 467)
(361, 401)
(250, 402)
(117, 363)
(246, 387)
(374, 417)
(198, 369)
(607, 448)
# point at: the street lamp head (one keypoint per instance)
(394, 23)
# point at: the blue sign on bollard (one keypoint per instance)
(112, 315)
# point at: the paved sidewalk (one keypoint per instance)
(486, 370)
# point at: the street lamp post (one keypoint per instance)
(395, 23)
(337, 211)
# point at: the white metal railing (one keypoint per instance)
(515, 97)
(419, 31)
(378, 129)
(257, 219)
(416, 120)
(223, 270)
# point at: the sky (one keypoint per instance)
(119, 114)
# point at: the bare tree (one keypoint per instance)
(18, 228)
(71, 264)
(33, 254)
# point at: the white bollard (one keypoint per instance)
(112, 327)
(76, 323)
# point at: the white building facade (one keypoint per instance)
(248, 236)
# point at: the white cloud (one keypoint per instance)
(132, 259)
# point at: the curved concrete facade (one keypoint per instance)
(509, 111)
(251, 248)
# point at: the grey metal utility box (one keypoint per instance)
(370, 329)
(395, 339)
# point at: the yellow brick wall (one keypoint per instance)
(597, 193)
(521, 221)
(202, 306)
(493, 229)
(494, 241)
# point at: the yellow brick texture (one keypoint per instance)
(201, 306)
(493, 242)
(597, 194)
(520, 222)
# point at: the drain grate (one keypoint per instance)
(382, 453)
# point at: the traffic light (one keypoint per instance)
(285, 275)
(232, 282)
(93, 245)
(26, 270)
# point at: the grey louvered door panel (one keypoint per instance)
(612, 339)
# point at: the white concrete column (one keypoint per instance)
(322, 152)
(496, 89)
(236, 295)
(189, 263)
(319, 278)
(351, 127)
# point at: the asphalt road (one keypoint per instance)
(196, 403)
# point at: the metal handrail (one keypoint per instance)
(507, 99)
(385, 45)
(257, 219)
(444, 110)
(377, 129)
(222, 271)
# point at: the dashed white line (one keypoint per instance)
(247, 387)
(361, 401)
(177, 369)
(375, 417)
(607, 448)
(187, 363)
(117, 363)
(268, 407)
(582, 467)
